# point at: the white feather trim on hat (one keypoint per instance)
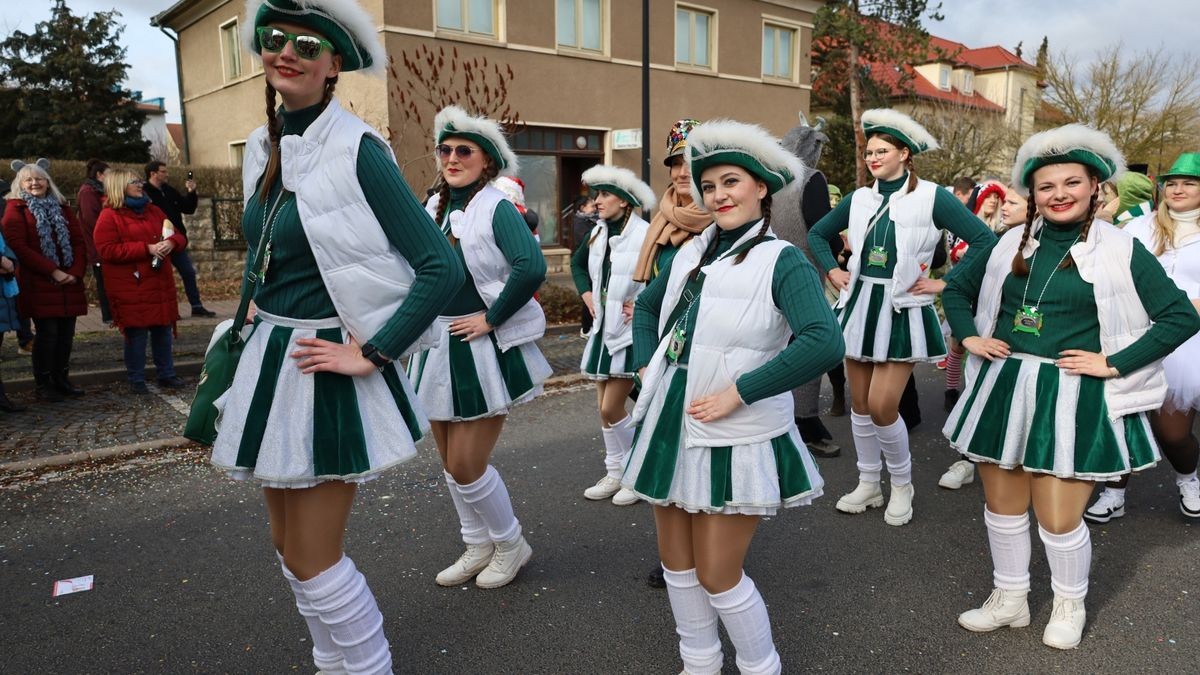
(1060, 141)
(887, 117)
(625, 180)
(346, 13)
(718, 135)
(488, 128)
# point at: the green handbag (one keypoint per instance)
(224, 351)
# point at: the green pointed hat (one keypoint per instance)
(1187, 166)
(904, 128)
(343, 22)
(1068, 144)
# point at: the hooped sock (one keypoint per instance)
(744, 614)
(1070, 558)
(489, 497)
(893, 441)
(346, 605)
(472, 527)
(695, 622)
(866, 447)
(1008, 537)
(327, 656)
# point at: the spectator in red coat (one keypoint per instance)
(135, 240)
(52, 256)
(89, 200)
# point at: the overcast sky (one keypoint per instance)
(1078, 26)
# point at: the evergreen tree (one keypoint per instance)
(1043, 54)
(70, 73)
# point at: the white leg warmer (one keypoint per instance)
(1009, 539)
(866, 446)
(1070, 558)
(893, 442)
(473, 529)
(695, 622)
(327, 657)
(744, 614)
(618, 439)
(489, 497)
(341, 596)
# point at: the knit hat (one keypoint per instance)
(1187, 166)
(677, 139)
(746, 145)
(904, 128)
(1069, 144)
(986, 191)
(622, 183)
(343, 22)
(514, 189)
(454, 122)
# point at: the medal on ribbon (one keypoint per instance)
(877, 257)
(1028, 320)
(676, 343)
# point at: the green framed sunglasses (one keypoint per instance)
(308, 47)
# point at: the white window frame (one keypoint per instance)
(969, 83)
(944, 77)
(227, 33)
(497, 9)
(712, 36)
(793, 58)
(605, 14)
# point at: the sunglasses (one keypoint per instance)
(461, 151)
(136, 181)
(308, 47)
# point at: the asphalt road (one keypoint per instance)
(185, 580)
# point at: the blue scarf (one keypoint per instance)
(138, 204)
(51, 225)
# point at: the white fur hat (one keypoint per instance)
(903, 127)
(453, 121)
(622, 182)
(746, 145)
(343, 22)
(1071, 143)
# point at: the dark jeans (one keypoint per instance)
(187, 272)
(105, 310)
(135, 352)
(52, 347)
(24, 330)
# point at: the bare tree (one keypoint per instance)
(1147, 102)
(974, 142)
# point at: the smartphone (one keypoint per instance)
(189, 175)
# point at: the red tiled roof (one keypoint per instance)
(923, 88)
(176, 131)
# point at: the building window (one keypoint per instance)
(969, 83)
(944, 78)
(474, 17)
(778, 52)
(237, 153)
(694, 36)
(580, 24)
(231, 50)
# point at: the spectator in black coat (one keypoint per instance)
(175, 205)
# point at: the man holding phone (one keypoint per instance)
(158, 189)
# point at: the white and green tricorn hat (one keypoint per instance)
(621, 182)
(1072, 143)
(904, 128)
(746, 145)
(344, 23)
(454, 122)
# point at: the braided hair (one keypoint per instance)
(1020, 268)
(275, 133)
(490, 171)
(762, 232)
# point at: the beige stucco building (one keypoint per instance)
(576, 82)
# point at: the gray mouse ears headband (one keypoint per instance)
(42, 162)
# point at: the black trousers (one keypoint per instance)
(52, 347)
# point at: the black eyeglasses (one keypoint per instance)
(308, 47)
(460, 151)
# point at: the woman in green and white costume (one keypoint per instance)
(486, 359)
(603, 269)
(886, 297)
(1073, 318)
(733, 323)
(351, 277)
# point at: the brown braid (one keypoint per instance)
(487, 176)
(1020, 268)
(912, 172)
(274, 132)
(762, 231)
(443, 202)
(708, 252)
(1087, 227)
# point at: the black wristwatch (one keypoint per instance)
(376, 357)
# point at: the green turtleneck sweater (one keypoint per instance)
(520, 249)
(293, 286)
(797, 293)
(579, 261)
(1068, 305)
(948, 214)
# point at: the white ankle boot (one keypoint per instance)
(899, 509)
(625, 497)
(603, 489)
(1065, 629)
(959, 474)
(1002, 608)
(470, 563)
(868, 494)
(509, 558)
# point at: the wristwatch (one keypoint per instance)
(376, 357)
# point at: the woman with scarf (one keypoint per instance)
(52, 257)
(135, 253)
(1172, 234)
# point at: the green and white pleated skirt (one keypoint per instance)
(752, 479)
(1025, 411)
(458, 381)
(598, 363)
(286, 429)
(875, 332)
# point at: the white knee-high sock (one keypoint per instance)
(341, 596)
(744, 614)
(1070, 558)
(489, 497)
(618, 439)
(1009, 540)
(866, 446)
(695, 622)
(893, 442)
(327, 657)
(473, 529)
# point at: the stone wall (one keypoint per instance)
(216, 260)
